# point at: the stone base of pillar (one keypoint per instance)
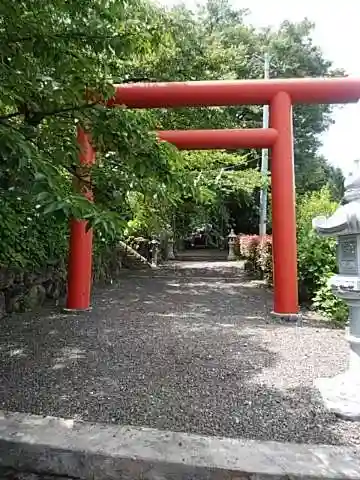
(341, 395)
(231, 257)
(288, 317)
(71, 311)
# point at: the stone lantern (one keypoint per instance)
(170, 245)
(341, 394)
(154, 251)
(232, 242)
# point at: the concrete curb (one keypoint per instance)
(59, 447)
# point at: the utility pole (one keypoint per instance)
(264, 158)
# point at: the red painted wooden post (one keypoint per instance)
(81, 239)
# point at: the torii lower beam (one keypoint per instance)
(220, 139)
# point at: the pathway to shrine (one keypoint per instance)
(190, 347)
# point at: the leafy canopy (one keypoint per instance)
(53, 51)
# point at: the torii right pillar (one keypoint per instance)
(286, 302)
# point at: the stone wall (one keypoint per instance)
(22, 291)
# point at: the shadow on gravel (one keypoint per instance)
(161, 353)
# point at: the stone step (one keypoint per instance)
(199, 258)
(40, 447)
(202, 256)
(191, 269)
(202, 269)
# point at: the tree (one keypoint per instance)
(54, 53)
(215, 42)
(223, 185)
(317, 171)
(51, 53)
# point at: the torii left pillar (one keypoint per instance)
(81, 238)
(283, 209)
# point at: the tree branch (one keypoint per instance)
(35, 116)
(19, 132)
(75, 35)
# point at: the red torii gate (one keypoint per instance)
(280, 95)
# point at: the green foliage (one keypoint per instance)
(28, 239)
(54, 53)
(328, 304)
(217, 179)
(51, 53)
(317, 255)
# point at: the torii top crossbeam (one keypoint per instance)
(236, 92)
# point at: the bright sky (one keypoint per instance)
(338, 34)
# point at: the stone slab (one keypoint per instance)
(56, 446)
(341, 394)
(226, 269)
(208, 269)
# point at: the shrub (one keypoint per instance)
(248, 247)
(264, 258)
(329, 305)
(317, 255)
(258, 251)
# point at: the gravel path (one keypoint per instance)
(195, 355)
